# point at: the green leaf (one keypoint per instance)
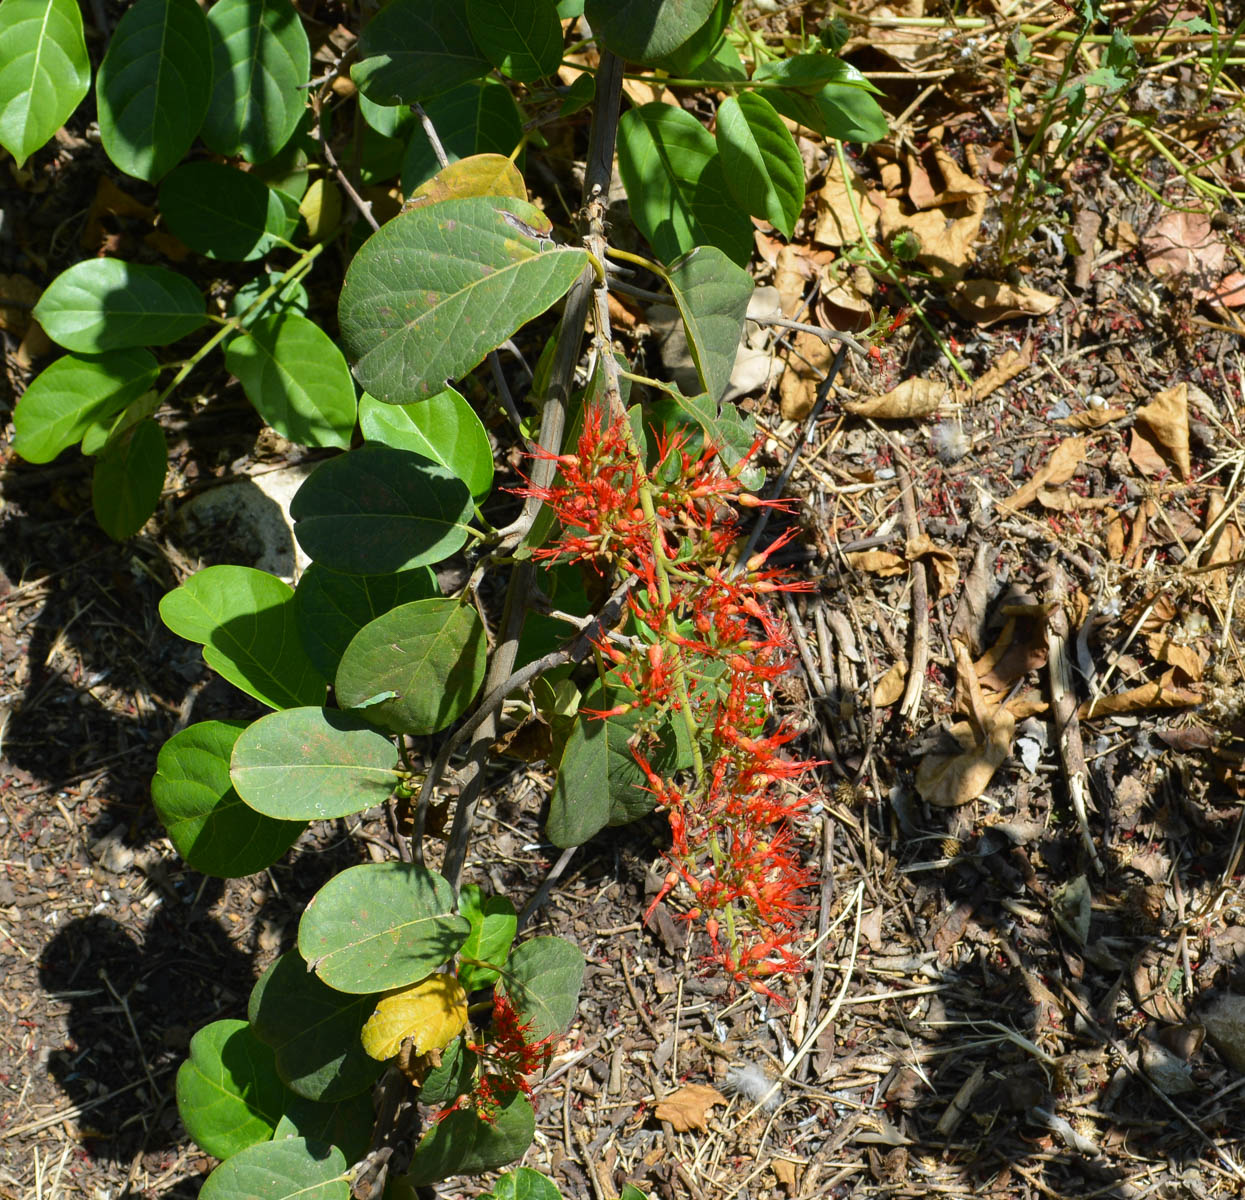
(229, 1095)
(292, 1169)
(312, 764)
(728, 431)
(292, 297)
(712, 294)
(129, 476)
(436, 289)
(377, 509)
(453, 1078)
(480, 117)
(428, 656)
(260, 57)
(245, 621)
(296, 378)
(686, 60)
(346, 1124)
(207, 821)
(314, 1031)
(65, 399)
(542, 977)
(764, 170)
(44, 71)
(493, 926)
(676, 185)
(825, 94)
(153, 86)
(333, 607)
(464, 1144)
(444, 428)
(645, 30)
(521, 38)
(412, 50)
(524, 1184)
(217, 210)
(379, 926)
(389, 120)
(105, 304)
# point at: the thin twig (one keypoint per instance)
(430, 133)
(919, 659)
(826, 335)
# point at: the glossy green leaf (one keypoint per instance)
(730, 432)
(206, 819)
(474, 118)
(444, 428)
(453, 1078)
(377, 509)
(105, 304)
(712, 294)
(841, 108)
(128, 479)
(521, 38)
(153, 86)
(333, 607)
(292, 297)
(412, 50)
(246, 623)
(493, 926)
(764, 170)
(436, 289)
(542, 978)
(524, 1184)
(260, 59)
(676, 185)
(312, 764)
(389, 120)
(685, 62)
(229, 1095)
(217, 210)
(44, 71)
(379, 926)
(296, 378)
(291, 1169)
(65, 399)
(463, 1144)
(427, 658)
(810, 73)
(314, 1031)
(346, 1124)
(644, 31)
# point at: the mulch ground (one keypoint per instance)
(1006, 996)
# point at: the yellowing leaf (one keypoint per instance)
(478, 175)
(321, 208)
(432, 1013)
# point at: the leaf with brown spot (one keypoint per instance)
(688, 1107)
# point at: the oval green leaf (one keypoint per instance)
(207, 822)
(444, 428)
(66, 399)
(128, 478)
(291, 1169)
(379, 926)
(412, 50)
(542, 977)
(464, 1144)
(524, 1184)
(521, 38)
(44, 71)
(712, 294)
(260, 59)
(346, 1124)
(427, 659)
(764, 170)
(105, 304)
(826, 95)
(217, 210)
(312, 764)
(229, 1095)
(333, 607)
(297, 379)
(645, 30)
(153, 86)
(676, 186)
(245, 621)
(377, 509)
(437, 288)
(480, 117)
(493, 926)
(314, 1031)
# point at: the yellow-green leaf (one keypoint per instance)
(432, 1012)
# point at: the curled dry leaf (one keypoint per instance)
(797, 389)
(1009, 364)
(1093, 418)
(689, 1106)
(947, 781)
(1184, 658)
(1166, 418)
(1138, 699)
(988, 301)
(1059, 468)
(947, 236)
(878, 562)
(889, 688)
(946, 569)
(1184, 243)
(912, 398)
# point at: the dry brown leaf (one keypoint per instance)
(1021, 647)
(1184, 243)
(1115, 535)
(1184, 658)
(889, 688)
(1229, 291)
(1093, 418)
(797, 389)
(841, 304)
(836, 224)
(791, 275)
(1059, 468)
(1138, 699)
(18, 295)
(1010, 364)
(687, 1108)
(948, 781)
(1167, 418)
(988, 301)
(878, 562)
(946, 238)
(785, 1172)
(1144, 453)
(871, 928)
(912, 398)
(946, 569)
(957, 184)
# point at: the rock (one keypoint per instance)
(1224, 1019)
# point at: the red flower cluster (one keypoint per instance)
(505, 1061)
(709, 648)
